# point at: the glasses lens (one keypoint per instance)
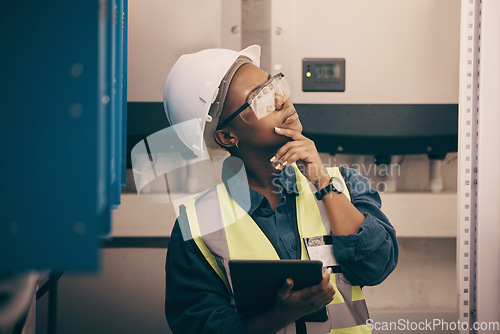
(263, 102)
(285, 87)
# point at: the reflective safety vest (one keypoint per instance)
(223, 231)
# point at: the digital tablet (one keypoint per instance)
(256, 283)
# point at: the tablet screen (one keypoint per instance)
(256, 282)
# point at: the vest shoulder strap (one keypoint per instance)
(196, 235)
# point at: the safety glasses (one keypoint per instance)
(262, 102)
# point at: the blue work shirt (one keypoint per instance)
(278, 224)
(196, 299)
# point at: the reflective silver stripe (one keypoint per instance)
(322, 211)
(290, 329)
(320, 327)
(342, 315)
(348, 314)
(212, 231)
(332, 172)
(344, 287)
(209, 216)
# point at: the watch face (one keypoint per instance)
(338, 184)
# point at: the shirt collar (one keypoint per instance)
(236, 182)
(288, 180)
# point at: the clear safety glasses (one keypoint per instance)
(262, 102)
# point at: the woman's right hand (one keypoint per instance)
(292, 305)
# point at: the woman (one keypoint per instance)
(268, 211)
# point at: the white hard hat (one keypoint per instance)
(194, 83)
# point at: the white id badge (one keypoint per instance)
(321, 248)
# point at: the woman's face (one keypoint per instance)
(259, 132)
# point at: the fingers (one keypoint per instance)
(326, 284)
(316, 300)
(326, 277)
(301, 302)
(294, 134)
(285, 289)
(288, 160)
(322, 290)
(278, 157)
(324, 301)
(293, 155)
(293, 151)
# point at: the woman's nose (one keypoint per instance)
(279, 101)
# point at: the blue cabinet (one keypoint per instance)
(63, 107)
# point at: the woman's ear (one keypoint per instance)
(225, 138)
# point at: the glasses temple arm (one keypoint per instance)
(233, 116)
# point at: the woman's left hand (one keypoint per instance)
(303, 151)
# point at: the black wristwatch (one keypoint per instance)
(335, 185)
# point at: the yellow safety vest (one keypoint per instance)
(225, 231)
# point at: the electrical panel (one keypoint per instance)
(323, 74)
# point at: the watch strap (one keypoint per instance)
(329, 188)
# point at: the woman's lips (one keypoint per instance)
(291, 118)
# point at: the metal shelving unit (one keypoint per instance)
(478, 230)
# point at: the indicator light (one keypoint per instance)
(308, 74)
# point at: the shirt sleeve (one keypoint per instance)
(369, 256)
(196, 299)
